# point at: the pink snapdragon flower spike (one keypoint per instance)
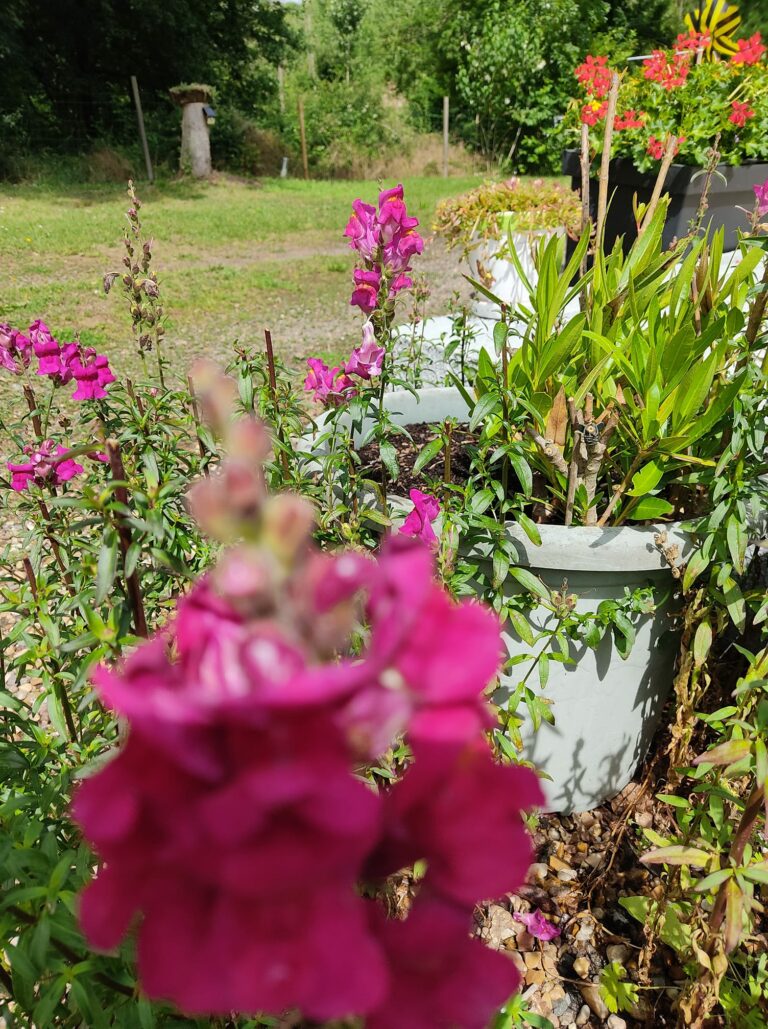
(761, 196)
(331, 386)
(387, 241)
(426, 508)
(538, 925)
(367, 359)
(47, 350)
(48, 464)
(15, 349)
(232, 821)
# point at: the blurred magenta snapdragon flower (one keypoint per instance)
(233, 823)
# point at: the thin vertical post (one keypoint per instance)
(446, 116)
(281, 87)
(303, 135)
(142, 131)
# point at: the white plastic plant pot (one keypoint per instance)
(606, 708)
(488, 265)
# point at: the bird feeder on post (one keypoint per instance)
(196, 116)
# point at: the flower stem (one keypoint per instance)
(132, 586)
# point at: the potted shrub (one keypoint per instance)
(497, 217)
(605, 451)
(707, 105)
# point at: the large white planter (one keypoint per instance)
(488, 265)
(606, 708)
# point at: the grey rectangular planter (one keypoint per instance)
(725, 197)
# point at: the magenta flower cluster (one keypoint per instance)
(386, 240)
(331, 386)
(47, 464)
(60, 362)
(233, 822)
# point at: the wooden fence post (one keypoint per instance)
(446, 113)
(303, 135)
(142, 131)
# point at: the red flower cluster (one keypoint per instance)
(750, 50)
(669, 70)
(656, 147)
(593, 111)
(693, 40)
(631, 119)
(740, 113)
(233, 822)
(595, 76)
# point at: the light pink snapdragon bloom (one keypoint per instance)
(331, 386)
(367, 359)
(47, 464)
(232, 823)
(426, 508)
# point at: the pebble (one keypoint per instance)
(581, 967)
(591, 994)
(614, 1022)
(583, 1016)
(617, 952)
(567, 875)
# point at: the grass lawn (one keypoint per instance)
(232, 257)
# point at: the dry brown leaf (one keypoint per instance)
(557, 422)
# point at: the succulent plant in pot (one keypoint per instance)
(490, 220)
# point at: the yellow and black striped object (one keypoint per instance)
(718, 20)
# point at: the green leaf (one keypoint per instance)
(107, 565)
(543, 670)
(522, 626)
(646, 479)
(727, 753)
(702, 642)
(530, 582)
(485, 406)
(734, 602)
(388, 456)
(693, 569)
(500, 567)
(529, 527)
(428, 453)
(677, 855)
(625, 639)
(651, 507)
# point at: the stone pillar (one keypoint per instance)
(195, 140)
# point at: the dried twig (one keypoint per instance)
(133, 589)
(273, 395)
(602, 192)
(653, 203)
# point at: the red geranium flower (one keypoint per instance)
(669, 70)
(750, 50)
(594, 75)
(592, 112)
(629, 120)
(692, 40)
(656, 146)
(740, 113)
